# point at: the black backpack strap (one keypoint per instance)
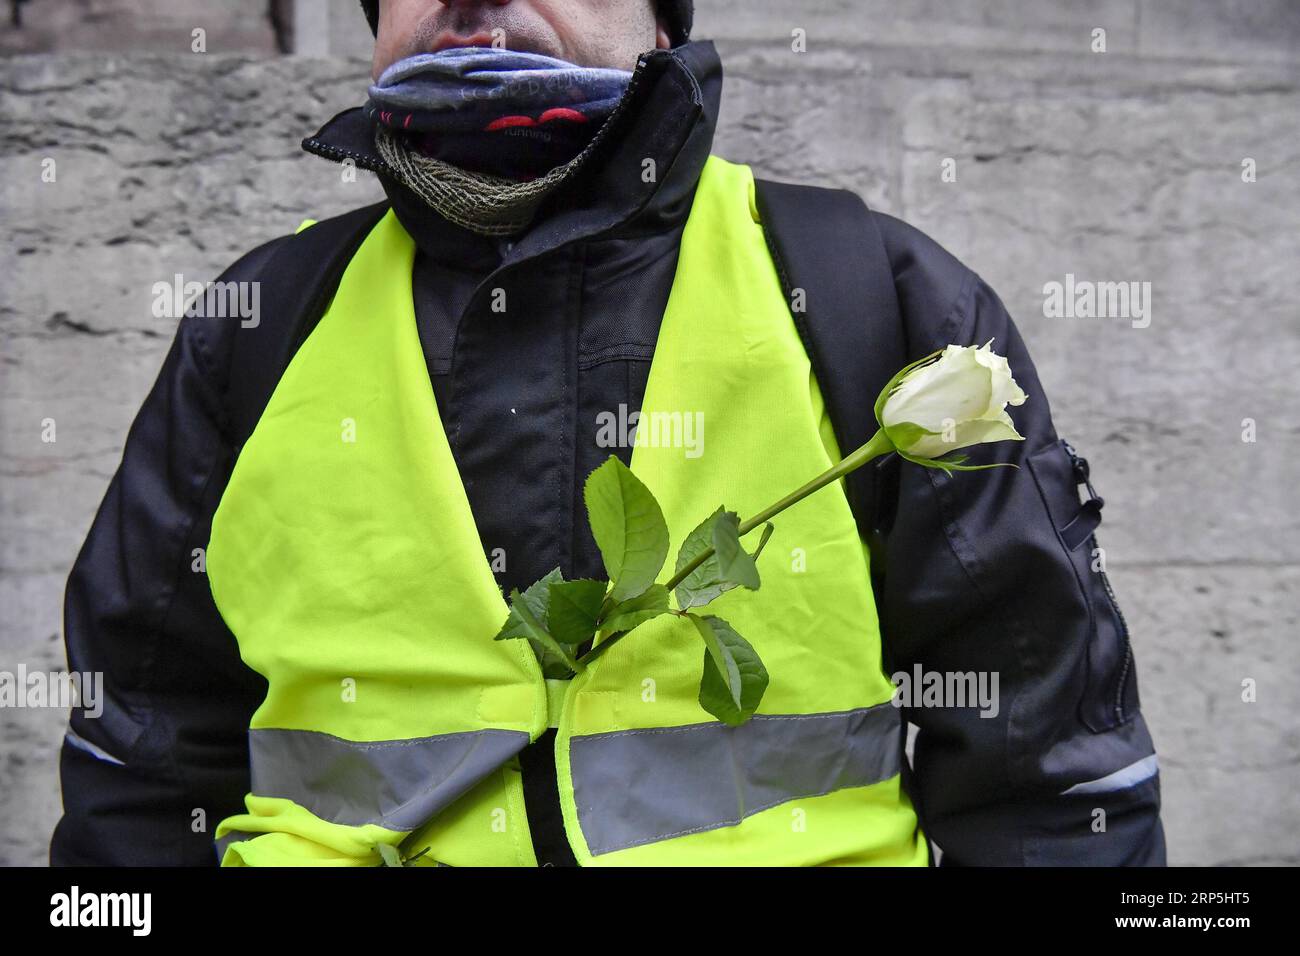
(298, 281)
(826, 243)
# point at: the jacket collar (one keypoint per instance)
(638, 180)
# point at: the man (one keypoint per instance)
(556, 224)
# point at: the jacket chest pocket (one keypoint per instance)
(1110, 697)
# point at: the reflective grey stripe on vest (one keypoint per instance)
(635, 787)
(397, 784)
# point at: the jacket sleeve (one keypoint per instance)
(146, 779)
(998, 573)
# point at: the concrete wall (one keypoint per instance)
(1122, 166)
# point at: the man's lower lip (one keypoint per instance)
(459, 42)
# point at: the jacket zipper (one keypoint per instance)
(622, 106)
(338, 154)
(1081, 472)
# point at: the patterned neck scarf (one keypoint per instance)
(507, 114)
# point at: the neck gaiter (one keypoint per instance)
(504, 113)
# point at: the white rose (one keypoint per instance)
(955, 402)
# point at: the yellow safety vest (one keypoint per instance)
(345, 559)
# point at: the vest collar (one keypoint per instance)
(667, 118)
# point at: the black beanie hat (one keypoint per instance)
(678, 13)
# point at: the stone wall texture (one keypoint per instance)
(1125, 165)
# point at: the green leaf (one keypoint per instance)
(644, 607)
(574, 610)
(541, 637)
(734, 678)
(735, 564)
(762, 541)
(710, 580)
(704, 583)
(538, 598)
(389, 855)
(555, 666)
(535, 601)
(628, 526)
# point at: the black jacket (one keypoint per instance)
(980, 572)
